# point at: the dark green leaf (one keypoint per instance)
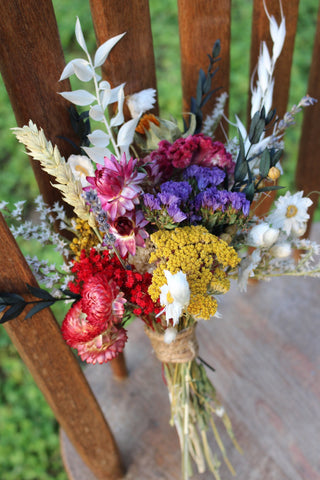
(254, 121)
(264, 166)
(38, 307)
(2, 307)
(201, 81)
(263, 113)
(13, 312)
(240, 170)
(270, 116)
(40, 293)
(71, 294)
(276, 157)
(216, 49)
(10, 298)
(249, 191)
(255, 138)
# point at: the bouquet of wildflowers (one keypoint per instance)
(163, 220)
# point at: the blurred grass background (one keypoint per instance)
(29, 446)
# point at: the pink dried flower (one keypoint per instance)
(129, 233)
(75, 327)
(102, 301)
(104, 347)
(117, 184)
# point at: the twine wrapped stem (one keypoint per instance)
(182, 350)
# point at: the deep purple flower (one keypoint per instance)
(205, 176)
(151, 201)
(176, 214)
(182, 190)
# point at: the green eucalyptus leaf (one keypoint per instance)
(264, 166)
(270, 116)
(10, 298)
(276, 157)
(255, 138)
(254, 121)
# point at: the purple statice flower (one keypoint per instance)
(239, 202)
(204, 176)
(214, 199)
(151, 201)
(175, 213)
(181, 190)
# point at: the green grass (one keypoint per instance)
(29, 447)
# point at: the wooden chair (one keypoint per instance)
(256, 355)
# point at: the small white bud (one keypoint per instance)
(170, 335)
(281, 250)
(220, 411)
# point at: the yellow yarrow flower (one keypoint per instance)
(85, 238)
(201, 256)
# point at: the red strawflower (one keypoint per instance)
(104, 347)
(75, 327)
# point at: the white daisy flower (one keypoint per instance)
(290, 214)
(81, 167)
(175, 296)
(141, 102)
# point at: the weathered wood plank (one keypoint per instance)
(56, 371)
(201, 23)
(132, 60)
(31, 62)
(308, 168)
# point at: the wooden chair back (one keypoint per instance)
(31, 63)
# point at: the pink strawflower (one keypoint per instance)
(75, 327)
(129, 233)
(117, 184)
(157, 163)
(104, 347)
(102, 301)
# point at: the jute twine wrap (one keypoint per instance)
(182, 350)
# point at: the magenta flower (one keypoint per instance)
(129, 233)
(117, 184)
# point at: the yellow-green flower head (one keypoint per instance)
(201, 256)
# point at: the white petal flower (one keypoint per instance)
(175, 296)
(262, 235)
(141, 102)
(81, 167)
(290, 213)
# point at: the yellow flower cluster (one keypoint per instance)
(85, 238)
(201, 256)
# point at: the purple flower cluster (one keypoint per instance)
(164, 206)
(204, 176)
(221, 200)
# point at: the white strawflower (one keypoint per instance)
(175, 296)
(299, 230)
(81, 167)
(281, 250)
(170, 335)
(220, 411)
(141, 102)
(262, 235)
(290, 213)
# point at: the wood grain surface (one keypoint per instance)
(132, 60)
(201, 23)
(266, 352)
(308, 168)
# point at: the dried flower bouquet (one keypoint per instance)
(159, 235)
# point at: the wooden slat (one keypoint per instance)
(308, 168)
(132, 60)
(261, 32)
(31, 62)
(201, 23)
(56, 371)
